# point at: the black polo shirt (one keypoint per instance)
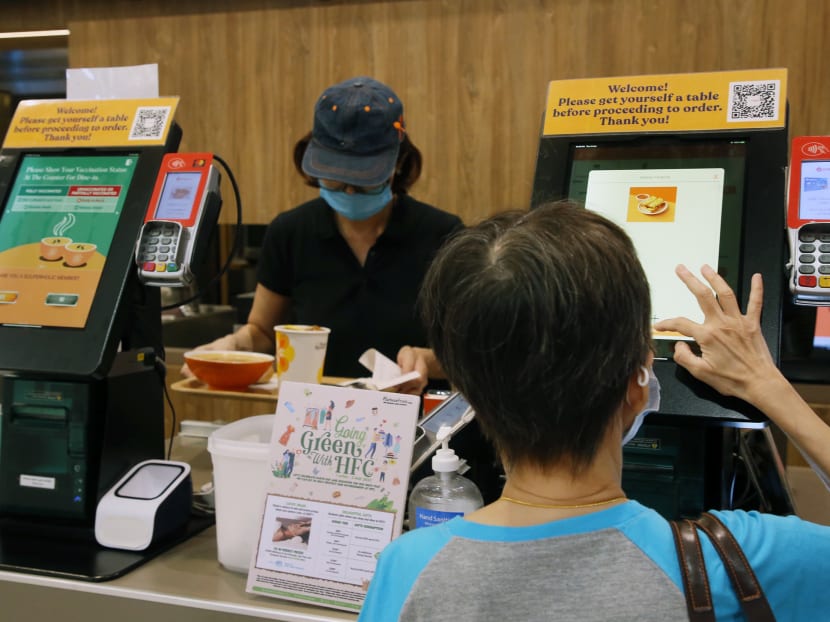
(305, 258)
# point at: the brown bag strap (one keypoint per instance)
(695, 582)
(753, 601)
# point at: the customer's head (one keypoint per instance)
(358, 138)
(541, 319)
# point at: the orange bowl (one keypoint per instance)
(228, 369)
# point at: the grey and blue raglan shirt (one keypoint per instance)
(617, 564)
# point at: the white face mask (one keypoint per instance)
(646, 377)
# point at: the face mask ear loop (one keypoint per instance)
(642, 377)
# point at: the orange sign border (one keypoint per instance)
(679, 102)
(50, 123)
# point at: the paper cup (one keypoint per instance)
(301, 352)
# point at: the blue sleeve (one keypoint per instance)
(399, 566)
(790, 557)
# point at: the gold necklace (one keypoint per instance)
(575, 506)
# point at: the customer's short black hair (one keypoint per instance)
(540, 318)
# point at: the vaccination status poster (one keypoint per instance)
(338, 470)
(55, 234)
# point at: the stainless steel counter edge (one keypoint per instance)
(189, 576)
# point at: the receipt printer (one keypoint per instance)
(150, 502)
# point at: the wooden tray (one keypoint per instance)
(262, 394)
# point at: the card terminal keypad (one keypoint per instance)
(813, 256)
(159, 246)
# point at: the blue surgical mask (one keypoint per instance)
(356, 206)
(652, 405)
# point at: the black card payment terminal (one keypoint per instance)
(808, 220)
(179, 222)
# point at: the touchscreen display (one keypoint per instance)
(814, 198)
(56, 229)
(178, 196)
(679, 203)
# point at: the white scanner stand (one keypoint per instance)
(150, 502)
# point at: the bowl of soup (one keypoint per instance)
(229, 369)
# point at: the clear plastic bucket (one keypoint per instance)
(239, 452)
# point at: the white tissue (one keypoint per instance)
(385, 372)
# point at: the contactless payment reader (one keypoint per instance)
(808, 220)
(183, 211)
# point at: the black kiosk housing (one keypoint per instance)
(82, 403)
(702, 450)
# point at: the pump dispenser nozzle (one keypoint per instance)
(445, 460)
(446, 493)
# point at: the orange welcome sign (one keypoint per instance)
(91, 123)
(721, 100)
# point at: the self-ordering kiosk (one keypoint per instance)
(700, 177)
(81, 357)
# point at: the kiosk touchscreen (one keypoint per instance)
(691, 199)
(55, 238)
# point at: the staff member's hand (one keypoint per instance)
(410, 358)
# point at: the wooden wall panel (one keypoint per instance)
(472, 73)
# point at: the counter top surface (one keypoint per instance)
(189, 575)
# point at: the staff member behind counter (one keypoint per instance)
(354, 258)
(542, 320)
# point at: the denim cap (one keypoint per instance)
(358, 128)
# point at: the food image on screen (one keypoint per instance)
(56, 229)
(680, 202)
(653, 205)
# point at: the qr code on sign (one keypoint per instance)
(150, 122)
(754, 101)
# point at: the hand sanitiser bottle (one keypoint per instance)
(440, 497)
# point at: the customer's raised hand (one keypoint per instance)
(735, 359)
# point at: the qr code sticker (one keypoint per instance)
(149, 123)
(753, 101)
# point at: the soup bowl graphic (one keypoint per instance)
(76, 254)
(53, 247)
